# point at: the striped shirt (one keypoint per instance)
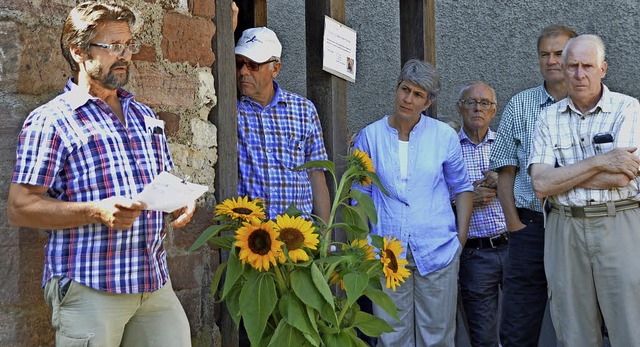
(79, 149)
(272, 141)
(487, 220)
(514, 138)
(564, 136)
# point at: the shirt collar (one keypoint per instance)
(77, 98)
(278, 97)
(544, 98)
(604, 103)
(489, 137)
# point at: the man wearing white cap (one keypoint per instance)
(277, 132)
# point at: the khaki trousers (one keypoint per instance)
(89, 317)
(593, 270)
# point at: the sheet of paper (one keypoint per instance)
(168, 193)
(339, 49)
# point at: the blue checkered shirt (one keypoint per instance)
(487, 220)
(79, 149)
(514, 139)
(271, 142)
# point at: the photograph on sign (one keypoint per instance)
(339, 50)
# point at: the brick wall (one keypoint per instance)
(171, 74)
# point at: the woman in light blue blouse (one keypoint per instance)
(417, 159)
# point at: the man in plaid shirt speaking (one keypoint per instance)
(81, 158)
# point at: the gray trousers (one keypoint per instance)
(426, 308)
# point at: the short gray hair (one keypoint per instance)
(494, 97)
(591, 40)
(422, 74)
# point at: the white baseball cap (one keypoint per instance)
(259, 44)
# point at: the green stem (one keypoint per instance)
(343, 312)
(282, 285)
(334, 207)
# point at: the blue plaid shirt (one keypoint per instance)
(487, 220)
(78, 148)
(418, 214)
(514, 138)
(271, 142)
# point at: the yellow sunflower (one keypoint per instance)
(259, 244)
(363, 163)
(369, 251)
(241, 208)
(393, 267)
(296, 232)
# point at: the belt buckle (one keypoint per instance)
(578, 212)
(497, 237)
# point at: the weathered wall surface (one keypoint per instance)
(171, 74)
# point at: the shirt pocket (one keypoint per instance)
(292, 153)
(565, 151)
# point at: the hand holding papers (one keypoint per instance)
(168, 193)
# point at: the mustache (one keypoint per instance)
(119, 64)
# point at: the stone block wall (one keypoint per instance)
(172, 74)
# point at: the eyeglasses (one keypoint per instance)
(484, 104)
(252, 66)
(118, 48)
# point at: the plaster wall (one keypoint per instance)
(493, 40)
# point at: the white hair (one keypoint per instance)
(591, 40)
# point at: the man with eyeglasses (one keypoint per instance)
(81, 159)
(525, 285)
(277, 132)
(484, 254)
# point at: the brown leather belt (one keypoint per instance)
(593, 211)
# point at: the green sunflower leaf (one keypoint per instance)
(293, 311)
(322, 285)
(315, 164)
(286, 335)
(223, 242)
(366, 203)
(304, 288)
(355, 284)
(234, 271)
(257, 300)
(340, 339)
(206, 234)
(383, 300)
(371, 325)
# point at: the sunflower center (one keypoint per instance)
(393, 261)
(242, 210)
(260, 242)
(292, 237)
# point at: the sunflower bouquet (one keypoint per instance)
(290, 282)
